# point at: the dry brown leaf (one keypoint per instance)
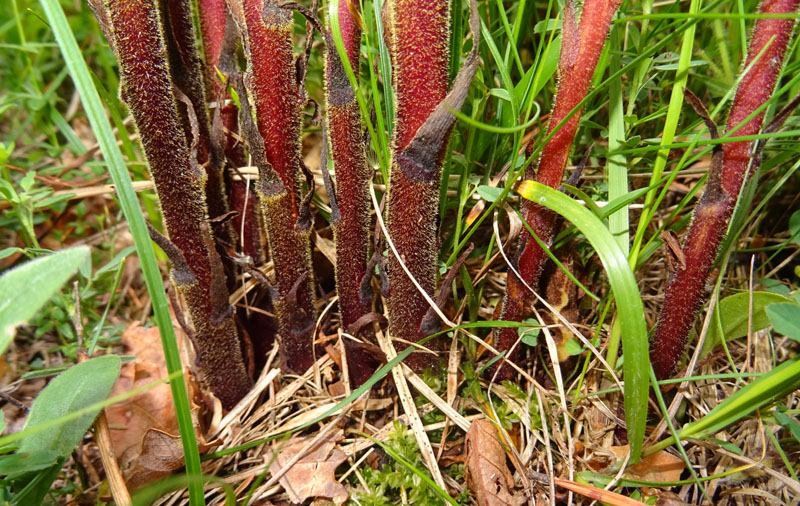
(312, 475)
(131, 419)
(142, 427)
(158, 455)
(660, 466)
(488, 477)
(667, 498)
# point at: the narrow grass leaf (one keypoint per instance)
(626, 293)
(766, 389)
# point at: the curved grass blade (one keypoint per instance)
(626, 293)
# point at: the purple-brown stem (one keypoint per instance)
(351, 206)
(272, 87)
(139, 42)
(686, 292)
(419, 48)
(214, 27)
(188, 71)
(219, 39)
(580, 50)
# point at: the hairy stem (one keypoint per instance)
(731, 167)
(188, 71)
(139, 42)
(271, 84)
(419, 46)
(580, 50)
(351, 201)
(418, 43)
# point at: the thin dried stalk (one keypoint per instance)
(197, 272)
(350, 201)
(731, 167)
(272, 87)
(580, 49)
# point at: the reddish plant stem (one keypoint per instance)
(197, 270)
(245, 223)
(272, 84)
(213, 27)
(419, 47)
(580, 50)
(188, 71)
(212, 16)
(350, 217)
(686, 293)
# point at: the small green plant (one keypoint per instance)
(29, 467)
(25, 200)
(392, 478)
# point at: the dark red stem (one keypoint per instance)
(272, 83)
(580, 50)
(351, 216)
(419, 46)
(686, 290)
(148, 91)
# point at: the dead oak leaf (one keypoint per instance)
(142, 426)
(313, 476)
(488, 477)
(153, 409)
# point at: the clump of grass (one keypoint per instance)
(581, 46)
(732, 163)
(140, 39)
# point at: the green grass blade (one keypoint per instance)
(617, 165)
(629, 304)
(774, 385)
(336, 32)
(670, 127)
(130, 207)
(501, 67)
